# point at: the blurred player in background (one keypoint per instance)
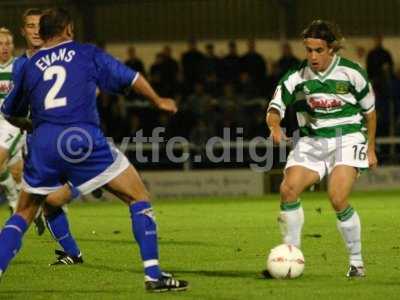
(335, 108)
(11, 138)
(58, 86)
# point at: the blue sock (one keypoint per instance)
(145, 231)
(11, 239)
(59, 228)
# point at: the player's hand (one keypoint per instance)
(372, 159)
(168, 105)
(278, 136)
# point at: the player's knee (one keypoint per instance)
(54, 199)
(288, 191)
(3, 158)
(338, 201)
(28, 209)
(16, 172)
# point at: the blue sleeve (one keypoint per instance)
(112, 75)
(15, 104)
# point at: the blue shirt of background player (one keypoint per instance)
(16, 77)
(80, 69)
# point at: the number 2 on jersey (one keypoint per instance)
(51, 101)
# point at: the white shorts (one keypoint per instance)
(12, 140)
(323, 154)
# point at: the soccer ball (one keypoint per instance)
(285, 261)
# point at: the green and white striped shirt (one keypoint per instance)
(6, 79)
(327, 104)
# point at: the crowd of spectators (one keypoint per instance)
(215, 92)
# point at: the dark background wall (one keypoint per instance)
(168, 20)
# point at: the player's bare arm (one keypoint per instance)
(371, 128)
(141, 86)
(273, 120)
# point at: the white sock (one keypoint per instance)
(39, 212)
(291, 220)
(10, 189)
(350, 229)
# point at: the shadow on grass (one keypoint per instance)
(219, 273)
(110, 268)
(161, 242)
(61, 291)
(206, 273)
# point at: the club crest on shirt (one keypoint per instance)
(342, 87)
(306, 90)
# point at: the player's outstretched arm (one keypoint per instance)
(142, 86)
(371, 127)
(273, 120)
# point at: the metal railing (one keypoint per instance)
(189, 149)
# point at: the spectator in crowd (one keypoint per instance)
(192, 67)
(247, 88)
(134, 62)
(257, 127)
(272, 80)
(212, 71)
(200, 105)
(378, 60)
(134, 124)
(231, 64)
(287, 60)
(201, 133)
(231, 108)
(396, 93)
(212, 85)
(380, 71)
(361, 56)
(169, 71)
(253, 64)
(156, 71)
(212, 63)
(112, 111)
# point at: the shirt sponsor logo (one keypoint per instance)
(324, 104)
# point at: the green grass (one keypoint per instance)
(219, 245)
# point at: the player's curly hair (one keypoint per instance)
(53, 22)
(327, 31)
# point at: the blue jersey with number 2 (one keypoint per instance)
(59, 84)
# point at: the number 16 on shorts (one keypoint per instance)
(354, 155)
(360, 152)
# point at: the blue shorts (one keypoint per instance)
(77, 154)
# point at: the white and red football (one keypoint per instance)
(285, 261)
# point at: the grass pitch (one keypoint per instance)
(219, 245)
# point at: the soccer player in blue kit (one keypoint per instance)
(56, 217)
(58, 86)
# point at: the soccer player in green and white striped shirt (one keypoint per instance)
(335, 108)
(11, 140)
